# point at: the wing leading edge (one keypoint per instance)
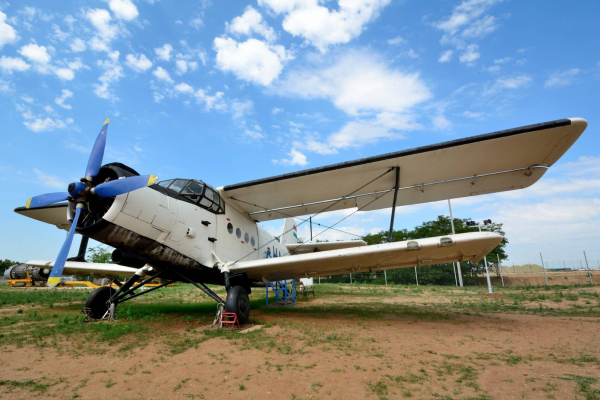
(436, 250)
(494, 162)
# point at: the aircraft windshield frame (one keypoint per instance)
(197, 192)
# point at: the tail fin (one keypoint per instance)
(290, 232)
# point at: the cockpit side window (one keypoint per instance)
(178, 184)
(165, 183)
(196, 192)
(193, 190)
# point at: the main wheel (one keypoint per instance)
(97, 301)
(239, 303)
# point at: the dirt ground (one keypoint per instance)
(537, 278)
(347, 343)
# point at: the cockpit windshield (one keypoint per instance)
(197, 192)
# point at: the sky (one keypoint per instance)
(227, 92)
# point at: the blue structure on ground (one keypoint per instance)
(285, 292)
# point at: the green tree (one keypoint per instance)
(99, 254)
(4, 265)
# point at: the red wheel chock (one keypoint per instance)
(229, 318)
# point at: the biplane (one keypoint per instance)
(185, 230)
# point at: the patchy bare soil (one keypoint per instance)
(348, 343)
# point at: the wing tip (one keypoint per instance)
(107, 121)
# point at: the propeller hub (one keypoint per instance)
(76, 187)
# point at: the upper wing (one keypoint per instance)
(56, 214)
(85, 268)
(437, 250)
(494, 162)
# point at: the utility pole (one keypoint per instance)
(588, 268)
(544, 269)
(460, 280)
(500, 268)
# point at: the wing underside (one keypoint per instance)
(495, 162)
(88, 269)
(437, 250)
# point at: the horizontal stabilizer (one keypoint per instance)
(55, 214)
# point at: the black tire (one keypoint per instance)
(97, 301)
(239, 303)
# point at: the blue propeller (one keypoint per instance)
(79, 192)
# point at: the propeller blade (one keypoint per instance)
(46, 199)
(124, 185)
(95, 161)
(57, 269)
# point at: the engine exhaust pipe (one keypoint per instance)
(129, 258)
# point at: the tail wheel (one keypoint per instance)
(239, 303)
(97, 301)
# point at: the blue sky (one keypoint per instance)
(232, 91)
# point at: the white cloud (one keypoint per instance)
(65, 73)
(7, 33)
(215, 101)
(255, 133)
(295, 158)
(77, 45)
(514, 82)
(562, 78)
(323, 27)
(50, 180)
(481, 28)
(123, 9)
(38, 124)
(112, 73)
(470, 54)
(463, 14)
(164, 52)
(10, 64)
(358, 81)
(97, 44)
(276, 110)
(182, 66)
(58, 34)
(196, 23)
(440, 122)
(251, 22)
(35, 53)
(253, 60)
(184, 88)
(241, 108)
(445, 56)
(396, 41)
(471, 114)
(502, 60)
(100, 19)
(139, 63)
(494, 68)
(162, 74)
(66, 94)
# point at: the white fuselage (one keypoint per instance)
(191, 230)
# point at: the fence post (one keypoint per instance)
(416, 276)
(500, 268)
(351, 279)
(544, 268)
(385, 275)
(588, 268)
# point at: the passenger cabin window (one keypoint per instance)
(196, 192)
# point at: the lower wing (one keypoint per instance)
(85, 268)
(436, 250)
